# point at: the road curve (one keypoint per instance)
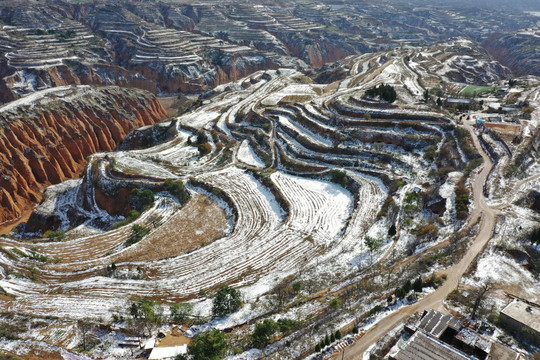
(435, 299)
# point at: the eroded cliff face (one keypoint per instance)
(46, 137)
(22, 82)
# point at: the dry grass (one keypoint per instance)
(198, 223)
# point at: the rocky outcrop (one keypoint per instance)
(46, 137)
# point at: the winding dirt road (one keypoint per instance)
(454, 273)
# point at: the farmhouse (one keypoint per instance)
(523, 319)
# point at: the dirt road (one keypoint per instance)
(435, 299)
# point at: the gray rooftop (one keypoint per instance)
(435, 323)
(421, 346)
(526, 313)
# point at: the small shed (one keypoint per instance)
(167, 352)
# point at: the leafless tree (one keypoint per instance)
(479, 294)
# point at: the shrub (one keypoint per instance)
(132, 216)
(204, 149)
(338, 334)
(137, 233)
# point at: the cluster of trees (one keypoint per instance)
(413, 202)
(373, 244)
(207, 345)
(226, 301)
(146, 314)
(465, 143)
(328, 339)
(403, 291)
(266, 330)
(141, 200)
(385, 92)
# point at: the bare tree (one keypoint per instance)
(84, 327)
(479, 296)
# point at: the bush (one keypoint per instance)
(177, 189)
(355, 330)
(338, 334)
(335, 303)
(55, 235)
(132, 216)
(264, 332)
(317, 348)
(141, 200)
(227, 301)
(339, 177)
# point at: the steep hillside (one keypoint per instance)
(46, 137)
(519, 51)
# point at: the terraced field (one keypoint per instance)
(268, 181)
